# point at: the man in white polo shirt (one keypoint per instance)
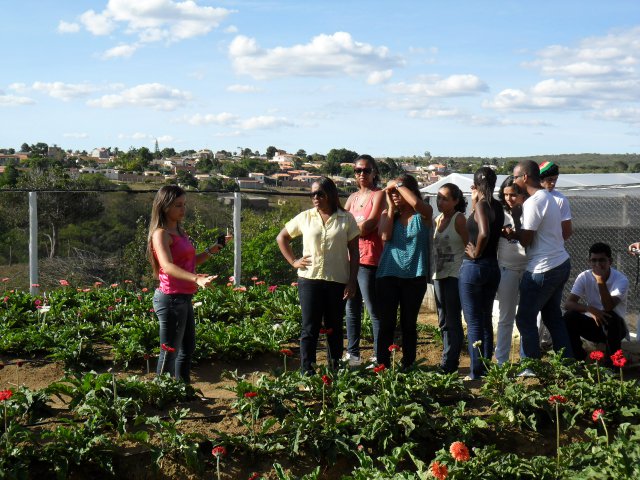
(597, 304)
(548, 264)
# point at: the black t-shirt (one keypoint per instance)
(496, 219)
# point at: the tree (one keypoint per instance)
(389, 168)
(246, 152)
(234, 170)
(10, 176)
(271, 151)
(25, 147)
(40, 149)
(186, 178)
(168, 152)
(337, 156)
(301, 153)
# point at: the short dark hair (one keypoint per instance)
(531, 168)
(600, 247)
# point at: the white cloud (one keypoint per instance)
(323, 56)
(435, 113)
(148, 95)
(123, 50)
(14, 101)
(243, 89)
(436, 86)
(380, 76)
(265, 122)
(97, 23)
(223, 118)
(231, 29)
(629, 115)
(235, 133)
(64, 91)
(75, 135)
(19, 87)
(597, 75)
(153, 20)
(68, 27)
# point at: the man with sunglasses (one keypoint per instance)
(597, 304)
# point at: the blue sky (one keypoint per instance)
(485, 78)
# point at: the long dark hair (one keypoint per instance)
(485, 181)
(372, 165)
(510, 181)
(330, 189)
(161, 203)
(456, 193)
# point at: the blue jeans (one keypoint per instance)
(366, 290)
(177, 330)
(449, 321)
(322, 305)
(478, 283)
(542, 292)
(408, 294)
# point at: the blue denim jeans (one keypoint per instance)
(449, 321)
(478, 283)
(177, 330)
(322, 306)
(542, 292)
(407, 293)
(366, 290)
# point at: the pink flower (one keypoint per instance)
(240, 289)
(229, 284)
(114, 285)
(294, 284)
(596, 355)
(145, 289)
(118, 300)
(254, 279)
(379, 368)
(86, 290)
(111, 308)
(6, 299)
(167, 348)
(272, 288)
(618, 359)
(151, 310)
(97, 284)
(232, 279)
(219, 451)
(5, 395)
(64, 283)
(5, 279)
(261, 282)
(326, 379)
(250, 394)
(37, 303)
(459, 452)
(597, 413)
(35, 285)
(128, 281)
(394, 347)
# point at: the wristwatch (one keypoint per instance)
(399, 184)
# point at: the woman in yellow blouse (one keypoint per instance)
(327, 270)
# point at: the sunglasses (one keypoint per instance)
(318, 194)
(366, 171)
(599, 260)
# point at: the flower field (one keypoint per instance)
(79, 398)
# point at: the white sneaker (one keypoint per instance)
(353, 360)
(527, 372)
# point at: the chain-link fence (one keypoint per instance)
(101, 236)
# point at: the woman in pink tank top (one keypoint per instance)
(174, 259)
(366, 206)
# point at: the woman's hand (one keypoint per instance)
(634, 248)
(470, 250)
(349, 291)
(203, 280)
(302, 262)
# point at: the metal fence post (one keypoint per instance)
(237, 239)
(33, 243)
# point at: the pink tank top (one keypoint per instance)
(370, 245)
(184, 256)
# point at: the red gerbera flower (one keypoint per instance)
(219, 451)
(597, 413)
(250, 394)
(379, 368)
(64, 283)
(326, 379)
(394, 347)
(5, 395)
(596, 355)
(167, 348)
(553, 399)
(287, 351)
(618, 359)
(326, 331)
(459, 452)
(439, 470)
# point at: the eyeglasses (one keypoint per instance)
(515, 177)
(366, 171)
(318, 194)
(599, 260)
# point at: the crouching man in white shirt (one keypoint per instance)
(597, 304)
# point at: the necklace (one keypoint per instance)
(365, 199)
